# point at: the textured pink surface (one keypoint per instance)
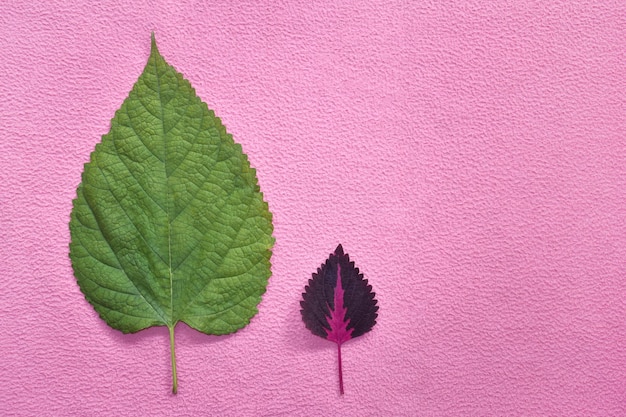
(471, 158)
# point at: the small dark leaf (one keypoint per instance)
(338, 304)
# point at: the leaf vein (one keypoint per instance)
(117, 256)
(222, 259)
(224, 310)
(132, 127)
(195, 136)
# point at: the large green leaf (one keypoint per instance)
(169, 223)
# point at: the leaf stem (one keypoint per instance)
(340, 368)
(173, 353)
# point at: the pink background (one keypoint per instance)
(471, 158)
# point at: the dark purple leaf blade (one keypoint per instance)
(338, 304)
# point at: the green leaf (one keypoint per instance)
(169, 223)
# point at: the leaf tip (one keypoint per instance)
(339, 250)
(153, 45)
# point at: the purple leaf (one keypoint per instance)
(338, 304)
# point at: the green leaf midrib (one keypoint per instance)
(173, 319)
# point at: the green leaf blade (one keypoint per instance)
(169, 223)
